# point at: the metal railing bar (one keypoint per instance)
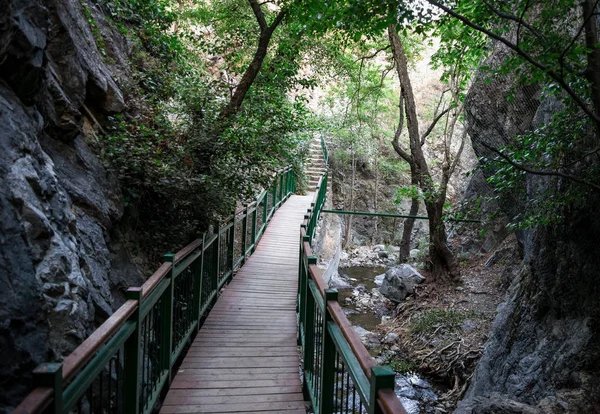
(155, 279)
(184, 264)
(177, 351)
(369, 214)
(362, 355)
(156, 391)
(181, 254)
(154, 297)
(80, 384)
(316, 295)
(358, 376)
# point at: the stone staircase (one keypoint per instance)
(316, 165)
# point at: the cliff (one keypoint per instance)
(62, 265)
(542, 354)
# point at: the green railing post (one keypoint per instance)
(307, 315)
(265, 205)
(167, 319)
(274, 195)
(281, 187)
(50, 375)
(216, 260)
(303, 283)
(381, 378)
(328, 358)
(132, 347)
(310, 229)
(299, 288)
(198, 272)
(244, 233)
(230, 246)
(254, 217)
(300, 256)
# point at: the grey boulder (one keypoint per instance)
(399, 282)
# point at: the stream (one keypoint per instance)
(415, 392)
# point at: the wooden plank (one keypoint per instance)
(184, 376)
(238, 399)
(234, 408)
(251, 362)
(242, 352)
(240, 371)
(200, 384)
(227, 343)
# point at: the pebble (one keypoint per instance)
(391, 337)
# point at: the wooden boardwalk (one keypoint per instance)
(245, 357)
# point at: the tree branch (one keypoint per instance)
(255, 65)
(396, 141)
(258, 13)
(277, 20)
(537, 171)
(514, 18)
(521, 20)
(459, 152)
(371, 56)
(433, 124)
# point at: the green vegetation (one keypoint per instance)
(402, 366)
(449, 320)
(221, 96)
(182, 164)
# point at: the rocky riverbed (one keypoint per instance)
(369, 312)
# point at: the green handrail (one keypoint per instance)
(325, 152)
(127, 362)
(339, 374)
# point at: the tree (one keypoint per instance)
(443, 262)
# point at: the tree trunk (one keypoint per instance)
(348, 237)
(409, 224)
(375, 204)
(443, 262)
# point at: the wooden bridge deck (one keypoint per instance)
(245, 357)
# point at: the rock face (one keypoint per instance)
(399, 282)
(327, 243)
(61, 269)
(544, 342)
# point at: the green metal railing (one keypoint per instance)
(325, 152)
(126, 363)
(339, 374)
(392, 215)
